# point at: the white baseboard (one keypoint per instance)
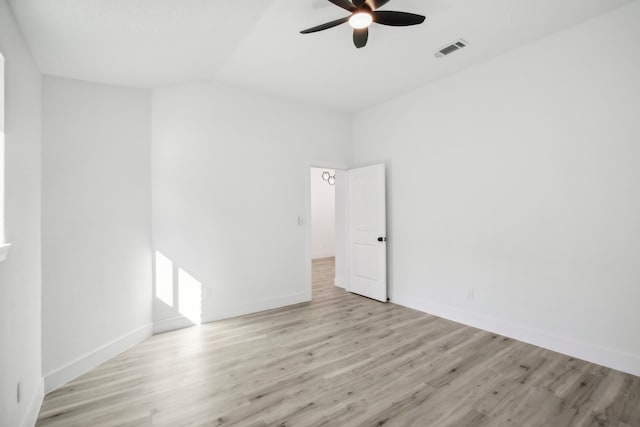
(323, 255)
(610, 358)
(33, 410)
(340, 282)
(220, 313)
(212, 314)
(100, 355)
(172, 324)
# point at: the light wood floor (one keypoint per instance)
(343, 360)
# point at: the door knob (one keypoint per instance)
(382, 239)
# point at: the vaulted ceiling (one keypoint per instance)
(256, 43)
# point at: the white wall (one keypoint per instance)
(96, 224)
(519, 179)
(2, 239)
(20, 273)
(230, 179)
(323, 215)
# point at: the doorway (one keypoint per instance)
(327, 229)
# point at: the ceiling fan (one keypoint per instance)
(363, 13)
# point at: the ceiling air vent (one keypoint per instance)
(449, 49)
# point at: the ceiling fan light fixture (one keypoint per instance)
(360, 20)
(363, 13)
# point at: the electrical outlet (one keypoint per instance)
(18, 393)
(470, 293)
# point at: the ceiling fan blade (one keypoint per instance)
(376, 4)
(360, 37)
(357, 3)
(397, 19)
(325, 26)
(345, 4)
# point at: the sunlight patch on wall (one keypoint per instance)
(189, 297)
(164, 279)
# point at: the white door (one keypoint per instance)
(367, 232)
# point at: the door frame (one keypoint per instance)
(307, 218)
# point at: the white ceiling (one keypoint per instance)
(256, 43)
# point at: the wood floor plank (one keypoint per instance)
(342, 360)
